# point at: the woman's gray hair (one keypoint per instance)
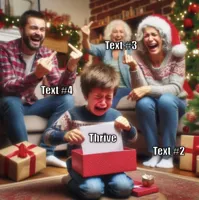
(166, 46)
(109, 29)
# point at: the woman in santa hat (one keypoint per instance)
(157, 74)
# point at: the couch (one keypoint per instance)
(36, 125)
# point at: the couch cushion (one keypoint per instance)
(77, 93)
(125, 104)
(38, 91)
(35, 123)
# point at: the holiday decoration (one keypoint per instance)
(182, 35)
(147, 180)
(186, 129)
(197, 88)
(193, 8)
(56, 26)
(185, 16)
(188, 23)
(191, 118)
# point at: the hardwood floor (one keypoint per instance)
(53, 171)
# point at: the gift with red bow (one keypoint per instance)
(191, 150)
(22, 160)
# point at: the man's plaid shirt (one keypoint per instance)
(14, 82)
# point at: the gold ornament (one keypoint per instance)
(182, 35)
(191, 116)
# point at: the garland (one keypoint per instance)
(56, 26)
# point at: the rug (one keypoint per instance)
(171, 187)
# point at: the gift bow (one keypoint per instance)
(22, 152)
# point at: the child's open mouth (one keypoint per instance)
(100, 109)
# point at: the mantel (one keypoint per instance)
(59, 45)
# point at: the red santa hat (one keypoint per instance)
(161, 23)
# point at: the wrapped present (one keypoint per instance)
(191, 144)
(197, 165)
(22, 160)
(140, 190)
(103, 163)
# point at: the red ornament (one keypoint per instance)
(193, 8)
(186, 129)
(188, 23)
(191, 116)
(86, 57)
(2, 25)
(197, 88)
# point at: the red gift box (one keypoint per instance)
(140, 190)
(104, 163)
(191, 144)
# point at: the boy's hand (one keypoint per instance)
(128, 59)
(86, 29)
(74, 137)
(75, 56)
(122, 123)
(44, 65)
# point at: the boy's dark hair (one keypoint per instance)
(99, 76)
(30, 13)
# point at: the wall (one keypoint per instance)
(132, 11)
(77, 9)
(100, 9)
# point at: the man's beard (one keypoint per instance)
(27, 41)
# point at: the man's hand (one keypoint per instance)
(86, 29)
(75, 56)
(128, 59)
(122, 123)
(44, 65)
(74, 137)
(138, 93)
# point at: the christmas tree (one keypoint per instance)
(185, 17)
(191, 118)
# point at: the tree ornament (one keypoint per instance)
(186, 129)
(191, 116)
(197, 88)
(182, 35)
(188, 23)
(193, 8)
